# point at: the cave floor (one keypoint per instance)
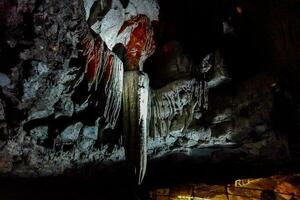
(177, 182)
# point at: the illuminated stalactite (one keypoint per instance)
(104, 71)
(93, 50)
(113, 91)
(135, 120)
(136, 93)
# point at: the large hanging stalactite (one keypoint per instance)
(135, 120)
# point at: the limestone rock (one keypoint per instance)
(71, 133)
(91, 132)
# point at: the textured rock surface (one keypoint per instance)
(176, 105)
(47, 131)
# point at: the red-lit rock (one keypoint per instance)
(141, 44)
(93, 52)
(104, 72)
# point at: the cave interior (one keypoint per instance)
(149, 99)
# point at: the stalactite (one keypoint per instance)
(113, 91)
(104, 69)
(135, 120)
(93, 50)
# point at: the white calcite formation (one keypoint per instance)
(104, 71)
(108, 28)
(174, 106)
(113, 91)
